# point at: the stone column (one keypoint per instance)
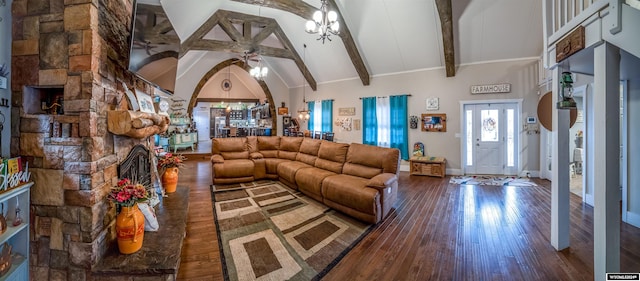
(81, 48)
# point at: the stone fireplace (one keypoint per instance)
(74, 52)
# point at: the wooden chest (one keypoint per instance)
(428, 166)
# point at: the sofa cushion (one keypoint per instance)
(252, 144)
(351, 191)
(287, 170)
(309, 181)
(368, 161)
(234, 168)
(272, 164)
(231, 148)
(268, 146)
(331, 156)
(289, 147)
(308, 151)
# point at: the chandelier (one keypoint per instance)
(259, 71)
(324, 23)
(304, 113)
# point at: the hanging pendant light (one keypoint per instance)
(304, 114)
(259, 72)
(228, 87)
(325, 23)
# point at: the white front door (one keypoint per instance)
(491, 138)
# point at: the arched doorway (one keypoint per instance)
(222, 65)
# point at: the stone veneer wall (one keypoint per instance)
(81, 45)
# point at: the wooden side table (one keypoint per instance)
(428, 166)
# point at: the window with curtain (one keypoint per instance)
(369, 121)
(321, 116)
(385, 123)
(311, 124)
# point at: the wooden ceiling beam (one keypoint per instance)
(227, 26)
(200, 33)
(239, 48)
(246, 31)
(350, 46)
(446, 23)
(305, 11)
(240, 44)
(299, 62)
(265, 32)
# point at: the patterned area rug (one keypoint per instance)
(269, 232)
(491, 180)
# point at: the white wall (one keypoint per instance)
(522, 74)
(5, 58)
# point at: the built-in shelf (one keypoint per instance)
(18, 269)
(17, 236)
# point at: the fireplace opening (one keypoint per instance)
(136, 166)
(43, 100)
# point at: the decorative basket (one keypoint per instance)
(5, 258)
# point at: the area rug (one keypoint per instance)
(491, 180)
(267, 231)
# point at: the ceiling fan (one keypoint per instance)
(147, 46)
(247, 56)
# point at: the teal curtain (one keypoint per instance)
(310, 106)
(399, 118)
(369, 121)
(327, 115)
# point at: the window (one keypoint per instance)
(385, 122)
(321, 116)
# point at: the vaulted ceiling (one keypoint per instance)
(389, 36)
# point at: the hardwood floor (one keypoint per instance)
(439, 231)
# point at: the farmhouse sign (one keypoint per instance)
(491, 89)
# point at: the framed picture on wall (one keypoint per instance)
(433, 104)
(434, 122)
(145, 102)
(283, 110)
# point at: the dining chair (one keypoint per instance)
(233, 132)
(329, 136)
(317, 134)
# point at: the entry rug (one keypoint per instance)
(491, 180)
(269, 232)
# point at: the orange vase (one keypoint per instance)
(170, 179)
(130, 229)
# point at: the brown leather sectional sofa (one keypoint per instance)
(356, 179)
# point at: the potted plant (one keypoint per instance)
(130, 221)
(170, 163)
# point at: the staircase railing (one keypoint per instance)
(562, 16)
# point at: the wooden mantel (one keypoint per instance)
(136, 124)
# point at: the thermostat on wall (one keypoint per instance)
(531, 120)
